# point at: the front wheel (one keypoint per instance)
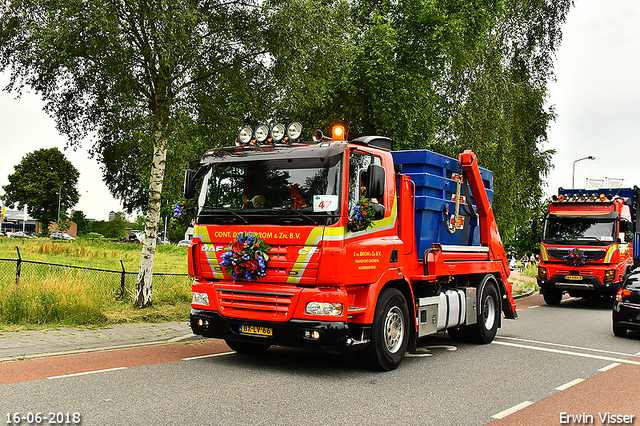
(552, 296)
(390, 331)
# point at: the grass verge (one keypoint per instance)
(49, 296)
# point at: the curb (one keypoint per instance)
(524, 295)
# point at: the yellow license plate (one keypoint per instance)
(254, 329)
(574, 277)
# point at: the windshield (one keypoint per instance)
(589, 231)
(298, 191)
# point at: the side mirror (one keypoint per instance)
(189, 183)
(375, 184)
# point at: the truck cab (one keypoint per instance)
(587, 243)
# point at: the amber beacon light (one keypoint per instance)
(337, 133)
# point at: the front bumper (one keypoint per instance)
(591, 284)
(333, 335)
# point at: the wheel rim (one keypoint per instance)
(394, 329)
(489, 312)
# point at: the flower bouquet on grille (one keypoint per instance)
(575, 257)
(246, 257)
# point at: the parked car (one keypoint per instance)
(626, 307)
(61, 236)
(184, 243)
(20, 234)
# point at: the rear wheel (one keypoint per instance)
(247, 348)
(552, 296)
(484, 331)
(390, 331)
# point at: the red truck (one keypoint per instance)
(345, 246)
(587, 247)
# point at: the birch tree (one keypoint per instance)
(118, 70)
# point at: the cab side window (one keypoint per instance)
(358, 163)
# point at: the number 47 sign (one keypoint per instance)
(325, 203)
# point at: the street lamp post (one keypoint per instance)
(591, 157)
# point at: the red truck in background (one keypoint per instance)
(345, 246)
(587, 246)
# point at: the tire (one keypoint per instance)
(484, 331)
(390, 331)
(619, 331)
(247, 348)
(552, 296)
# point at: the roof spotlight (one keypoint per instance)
(277, 132)
(244, 136)
(262, 133)
(294, 130)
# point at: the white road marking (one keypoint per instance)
(568, 385)
(565, 346)
(511, 410)
(559, 351)
(534, 306)
(87, 372)
(207, 356)
(609, 367)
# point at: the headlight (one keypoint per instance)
(262, 133)
(200, 299)
(277, 132)
(244, 137)
(318, 308)
(294, 130)
(542, 272)
(609, 275)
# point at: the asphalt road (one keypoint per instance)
(553, 360)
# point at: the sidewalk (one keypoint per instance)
(39, 343)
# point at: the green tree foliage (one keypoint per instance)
(444, 75)
(128, 72)
(81, 221)
(46, 182)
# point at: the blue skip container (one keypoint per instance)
(433, 175)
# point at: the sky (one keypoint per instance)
(596, 97)
(25, 127)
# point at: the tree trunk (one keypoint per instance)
(145, 273)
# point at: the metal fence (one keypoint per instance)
(121, 282)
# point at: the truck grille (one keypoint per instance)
(259, 305)
(592, 254)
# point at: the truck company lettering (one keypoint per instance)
(367, 253)
(263, 235)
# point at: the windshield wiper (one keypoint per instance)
(584, 237)
(299, 213)
(228, 210)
